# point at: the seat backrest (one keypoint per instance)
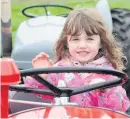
(34, 36)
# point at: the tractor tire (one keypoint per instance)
(121, 26)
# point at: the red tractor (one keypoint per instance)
(35, 31)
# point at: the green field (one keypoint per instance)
(18, 5)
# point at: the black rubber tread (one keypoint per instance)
(121, 25)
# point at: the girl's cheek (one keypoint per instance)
(94, 50)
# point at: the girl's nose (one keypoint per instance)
(82, 44)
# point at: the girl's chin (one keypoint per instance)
(85, 61)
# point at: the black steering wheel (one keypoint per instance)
(45, 6)
(70, 91)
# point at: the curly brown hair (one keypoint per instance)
(90, 21)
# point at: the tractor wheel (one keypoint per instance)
(121, 25)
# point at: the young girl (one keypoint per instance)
(85, 41)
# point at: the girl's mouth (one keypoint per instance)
(82, 53)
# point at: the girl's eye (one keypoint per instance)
(75, 39)
(90, 39)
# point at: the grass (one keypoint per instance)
(18, 5)
(119, 4)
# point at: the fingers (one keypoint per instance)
(42, 55)
(42, 60)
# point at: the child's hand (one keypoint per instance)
(42, 60)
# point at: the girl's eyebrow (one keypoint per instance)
(88, 36)
(74, 37)
(92, 36)
(79, 36)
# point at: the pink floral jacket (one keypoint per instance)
(114, 98)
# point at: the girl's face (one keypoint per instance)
(84, 48)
